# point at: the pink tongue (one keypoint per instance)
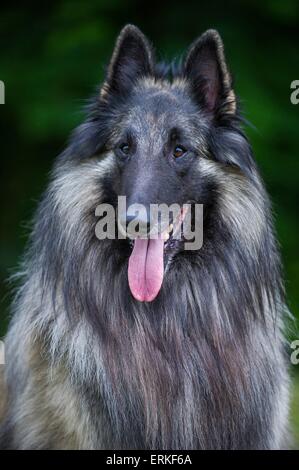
(146, 269)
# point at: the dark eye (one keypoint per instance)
(179, 151)
(125, 148)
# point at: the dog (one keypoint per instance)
(137, 343)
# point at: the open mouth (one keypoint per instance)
(146, 263)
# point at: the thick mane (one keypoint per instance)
(146, 356)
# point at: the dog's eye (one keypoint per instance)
(179, 151)
(125, 148)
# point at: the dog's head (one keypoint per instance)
(163, 136)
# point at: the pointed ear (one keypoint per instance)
(132, 58)
(206, 69)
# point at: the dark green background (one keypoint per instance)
(52, 56)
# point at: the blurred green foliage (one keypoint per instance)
(52, 56)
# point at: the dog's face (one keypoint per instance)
(157, 140)
(161, 128)
(158, 143)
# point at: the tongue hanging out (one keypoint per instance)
(146, 269)
(146, 263)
